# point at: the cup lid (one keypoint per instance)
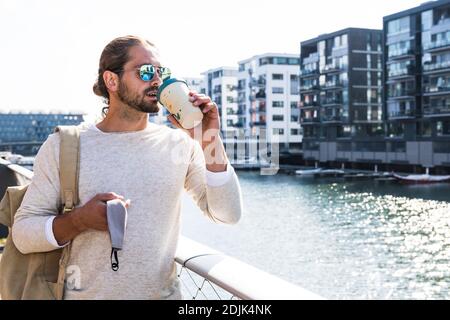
(166, 83)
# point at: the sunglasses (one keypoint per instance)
(147, 72)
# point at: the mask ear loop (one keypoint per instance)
(115, 263)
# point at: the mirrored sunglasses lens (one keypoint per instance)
(147, 72)
(165, 73)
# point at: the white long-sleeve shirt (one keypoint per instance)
(150, 167)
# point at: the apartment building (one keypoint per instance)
(268, 98)
(417, 84)
(220, 84)
(341, 96)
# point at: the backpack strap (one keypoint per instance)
(69, 165)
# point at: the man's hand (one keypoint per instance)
(93, 214)
(90, 216)
(208, 133)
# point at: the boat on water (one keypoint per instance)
(421, 178)
(320, 172)
(308, 172)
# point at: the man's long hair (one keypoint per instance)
(113, 58)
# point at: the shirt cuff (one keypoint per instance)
(50, 235)
(218, 179)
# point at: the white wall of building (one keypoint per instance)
(220, 84)
(278, 92)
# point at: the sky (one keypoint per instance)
(50, 49)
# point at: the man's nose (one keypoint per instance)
(156, 80)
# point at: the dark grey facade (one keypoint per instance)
(24, 133)
(341, 95)
(417, 84)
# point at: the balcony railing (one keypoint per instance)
(329, 68)
(440, 44)
(257, 110)
(395, 54)
(331, 102)
(308, 73)
(310, 120)
(436, 66)
(431, 110)
(407, 71)
(333, 85)
(401, 93)
(401, 114)
(332, 118)
(257, 123)
(309, 88)
(436, 89)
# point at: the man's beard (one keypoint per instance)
(137, 101)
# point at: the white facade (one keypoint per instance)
(268, 94)
(220, 84)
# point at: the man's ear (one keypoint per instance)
(111, 80)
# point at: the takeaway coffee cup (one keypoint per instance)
(173, 94)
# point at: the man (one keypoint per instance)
(146, 166)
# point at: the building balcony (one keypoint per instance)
(401, 94)
(257, 123)
(331, 68)
(331, 102)
(437, 46)
(401, 74)
(309, 105)
(257, 110)
(332, 118)
(436, 111)
(260, 83)
(436, 90)
(312, 58)
(436, 67)
(309, 73)
(401, 54)
(333, 85)
(401, 114)
(306, 89)
(260, 95)
(309, 120)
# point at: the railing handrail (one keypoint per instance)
(238, 278)
(17, 168)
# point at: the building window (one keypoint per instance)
(277, 117)
(277, 104)
(294, 104)
(279, 90)
(396, 130)
(424, 129)
(277, 76)
(278, 131)
(344, 131)
(443, 128)
(294, 118)
(295, 132)
(398, 26)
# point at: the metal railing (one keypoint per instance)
(205, 273)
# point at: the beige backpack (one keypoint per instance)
(40, 275)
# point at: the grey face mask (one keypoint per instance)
(117, 221)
